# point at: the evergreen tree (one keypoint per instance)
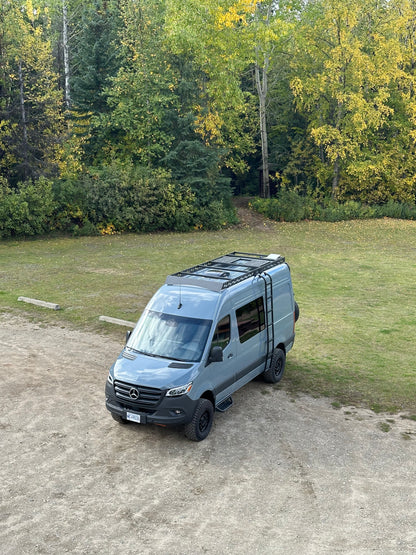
(8, 28)
(31, 124)
(95, 58)
(142, 93)
(95, 61)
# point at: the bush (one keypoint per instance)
(72, 212)
(289, 206)
(137, 199)
(27, 209)
(393, 209)
(215, 215)
(122, 197)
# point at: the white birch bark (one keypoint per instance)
(66, 54)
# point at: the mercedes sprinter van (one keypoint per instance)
(207, 332)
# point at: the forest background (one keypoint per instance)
(143, 115)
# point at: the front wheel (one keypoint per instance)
(119, 419)
(277, 367)
(200, 425)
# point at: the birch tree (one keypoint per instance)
(347, 65)
(65, 49)
(270, 31)
(204, 32)
(228, 41)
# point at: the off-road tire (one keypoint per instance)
(277, 367)
(119, 419)
(200, 425)
(296, 311)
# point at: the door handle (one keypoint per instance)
(230, 355)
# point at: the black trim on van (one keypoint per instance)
(247, 370)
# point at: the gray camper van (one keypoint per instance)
(208, 331)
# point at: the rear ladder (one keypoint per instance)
(268, 288)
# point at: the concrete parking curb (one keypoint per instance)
(37, 302)
(117, 321)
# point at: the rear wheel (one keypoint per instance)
(277, 367)
(200, 425)
(296, 311)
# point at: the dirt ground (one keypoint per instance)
(250, 218)
(277, 474)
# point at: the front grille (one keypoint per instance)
(148, 397)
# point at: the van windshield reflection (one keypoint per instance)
(170, 336)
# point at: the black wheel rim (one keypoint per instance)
(204, 422)
(278, 368)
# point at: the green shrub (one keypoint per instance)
(289, 206)
(27, 209)
(393, 209)
(215, 215)
(137, 199)
(122, 197)
(72, 213)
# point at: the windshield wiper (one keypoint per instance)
(131, 349)
(153, 355)
(147, 354)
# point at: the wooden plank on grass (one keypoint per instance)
(117, 321)
(37, 302)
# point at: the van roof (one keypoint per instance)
(225, 271)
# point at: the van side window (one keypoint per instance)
(222, 333)
(250, 319)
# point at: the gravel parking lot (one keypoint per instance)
(278, 474)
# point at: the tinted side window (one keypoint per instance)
(250, 319)
(222, 333)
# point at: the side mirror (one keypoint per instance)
(216, 354)
(128, 333)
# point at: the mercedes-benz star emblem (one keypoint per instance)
(134, 394)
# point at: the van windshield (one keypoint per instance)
(170, 336)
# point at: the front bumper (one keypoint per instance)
(170, 411)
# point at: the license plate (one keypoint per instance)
(133, 417)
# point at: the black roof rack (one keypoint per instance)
(225, 271)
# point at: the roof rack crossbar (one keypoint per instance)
(204, 273)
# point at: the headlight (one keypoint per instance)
(110, 379)
(181, 390)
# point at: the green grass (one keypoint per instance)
(354, 282)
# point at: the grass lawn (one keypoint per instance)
(355, 283)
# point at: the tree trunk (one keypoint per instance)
(66, 54)
(25, 150)
(335, 178)
(261, 84)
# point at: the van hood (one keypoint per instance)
(148, 371)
